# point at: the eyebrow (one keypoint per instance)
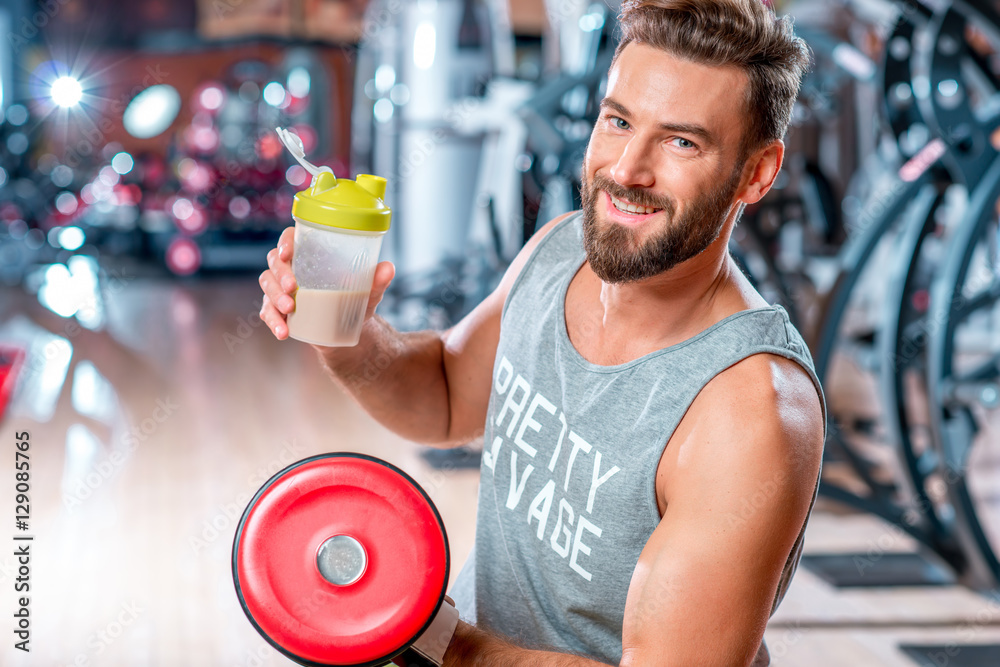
(682, 128)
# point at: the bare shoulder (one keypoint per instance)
(770, 389)
(760, 417)
(771, 396)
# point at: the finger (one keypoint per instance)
(282, 269)
(275, 292)
(274, 320)
(286, 278)
(384, 273)
(285, 243)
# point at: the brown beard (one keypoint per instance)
(615, 252)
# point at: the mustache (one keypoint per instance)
(638, 196)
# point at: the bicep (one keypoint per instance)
(705, 582)
(469, 350)
(702, 591)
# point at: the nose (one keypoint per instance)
(634, 168)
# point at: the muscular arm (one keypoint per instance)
(741, 471)
(431, 387)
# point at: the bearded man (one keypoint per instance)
(652, 428)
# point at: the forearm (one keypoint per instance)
(472, 646)
(397, 378)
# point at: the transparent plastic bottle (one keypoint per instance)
(339, 225)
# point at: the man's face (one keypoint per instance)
(666, 146)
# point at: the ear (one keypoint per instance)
(763, 167)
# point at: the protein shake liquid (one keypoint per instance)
(339, 225)
(327, 317)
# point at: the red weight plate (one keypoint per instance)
(292, 604)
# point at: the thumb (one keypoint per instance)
(384, 273)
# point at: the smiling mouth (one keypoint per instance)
(630, 208)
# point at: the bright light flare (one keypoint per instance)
(66, 92)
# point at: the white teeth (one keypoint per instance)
(626, 207)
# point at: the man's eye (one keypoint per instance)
(684, 143)
(621, 124)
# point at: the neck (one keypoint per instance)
(675, 305)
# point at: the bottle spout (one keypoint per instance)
(373, 184)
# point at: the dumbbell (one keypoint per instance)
(342, 559)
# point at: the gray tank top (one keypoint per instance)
(566, 496)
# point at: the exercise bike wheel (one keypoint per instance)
(963, 375)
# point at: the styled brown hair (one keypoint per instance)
(738, 33)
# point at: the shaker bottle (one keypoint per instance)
(339, 225)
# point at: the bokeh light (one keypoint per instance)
(122, 163)
(183, 256)
(274, 94)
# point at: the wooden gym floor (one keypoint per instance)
(151, 430)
